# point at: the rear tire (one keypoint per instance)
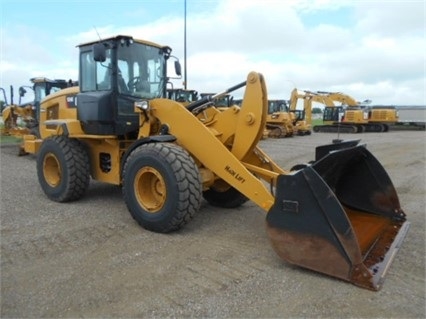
(225, 197)
(63, 169)
(161, 186)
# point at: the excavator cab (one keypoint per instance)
(333, 114)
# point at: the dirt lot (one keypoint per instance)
(90, 259)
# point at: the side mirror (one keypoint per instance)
(99, 52)
(22, 91)
(178, 68)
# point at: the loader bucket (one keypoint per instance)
(339, 216)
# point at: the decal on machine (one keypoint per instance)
(71, 101)
(237, 176)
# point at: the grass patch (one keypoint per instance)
(316, 122)
(7, 139)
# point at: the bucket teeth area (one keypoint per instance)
(340, 216)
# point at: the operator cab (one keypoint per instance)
(275, 106)
(333, 113)
(115, 73)
(299, 115)
(224, 101)
(41, 88)
(182, 95)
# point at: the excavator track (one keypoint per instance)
(277, 131)
(375, 128)
(351, 128)
(336, 128)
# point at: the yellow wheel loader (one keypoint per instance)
(339, 215)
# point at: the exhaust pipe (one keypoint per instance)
(339, 216)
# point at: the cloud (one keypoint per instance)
(390, 18)
(366, 49)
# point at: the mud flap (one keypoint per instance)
(340, 216)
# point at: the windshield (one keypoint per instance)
(41, 90)
(276, 106)
(182, 95)
(141, 71)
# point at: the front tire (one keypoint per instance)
(161, 186)
(63, 169)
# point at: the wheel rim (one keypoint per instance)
(150, 189)
(52, 170)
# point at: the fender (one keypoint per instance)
(146, 140)
(67, 127)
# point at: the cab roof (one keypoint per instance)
(126, 37)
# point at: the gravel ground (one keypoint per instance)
(90, 259)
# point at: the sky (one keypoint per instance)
(367, 49)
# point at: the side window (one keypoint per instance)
(123, 70)
(54, 89)
(123, 76)
(87, 72)
(42, 93)
(136, 70)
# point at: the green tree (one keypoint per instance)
(316, 110)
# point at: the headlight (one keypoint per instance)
(143, 105)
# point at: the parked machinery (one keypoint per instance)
(4, 101)
(279, 121)
(303, 118)
(385, 116)
(347, 117)
(339, 215)
(29, 113)
(182, 95)
(353, 117)
(222, 102)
